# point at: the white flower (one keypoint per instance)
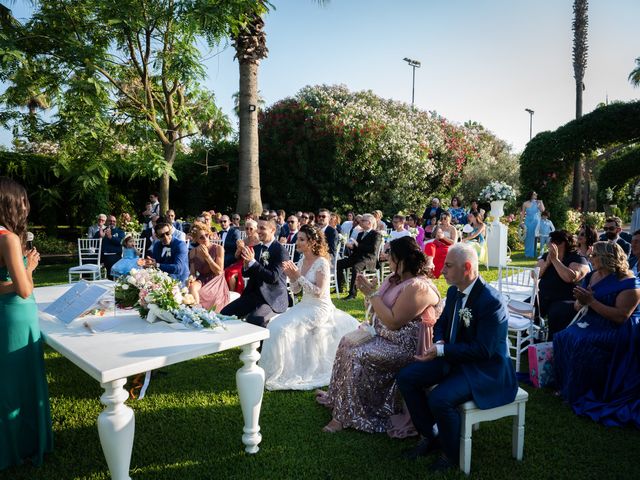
(125, 286)
(264, 256)
(466, 316)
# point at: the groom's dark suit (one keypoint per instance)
(475, 365)
(266, 292)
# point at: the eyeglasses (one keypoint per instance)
(163, 234)
(224, 221)
(322, 216)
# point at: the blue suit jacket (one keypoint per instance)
(332, 239)
(267, 276)
(480, 350)
(230, 245)
(177, 265)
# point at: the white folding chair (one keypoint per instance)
(243, 234)
(140, 244)
(520, 286)
(89, 252)
(291, 249)
(375, 274)
(333, 279)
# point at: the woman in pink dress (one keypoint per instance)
(363, 393)
(206, 267)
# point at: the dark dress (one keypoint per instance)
(25, 419)
(597, 361)
(556, 295)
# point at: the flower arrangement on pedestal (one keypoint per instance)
(497, 191)
(158, 296)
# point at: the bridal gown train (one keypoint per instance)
(302, 345)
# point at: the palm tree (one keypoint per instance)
(250, 43)
(580, 24)
(634, 76)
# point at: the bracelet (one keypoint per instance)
(371, 295)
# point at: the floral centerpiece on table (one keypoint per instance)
(156, 295)
(497, 191)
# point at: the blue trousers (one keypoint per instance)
(440, 404)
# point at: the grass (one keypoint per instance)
(189, 427)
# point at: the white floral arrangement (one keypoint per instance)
(156, 295)
(497, 190)
(466, 316)
(413, 231)
(635, 196)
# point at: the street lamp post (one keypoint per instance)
(413, 64)
(530, 112)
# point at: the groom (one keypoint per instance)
(469, 360)
(266, 292)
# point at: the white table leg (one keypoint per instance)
(250, 382)
(116, 427)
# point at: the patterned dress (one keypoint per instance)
(363, 392)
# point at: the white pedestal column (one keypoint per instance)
(250, 381)
(497, 243)
(116, 427)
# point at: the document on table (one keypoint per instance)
(79, 299)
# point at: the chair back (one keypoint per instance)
(140, 244)
(519, 283)
(243, 234)
(89, 250)
(290, 248)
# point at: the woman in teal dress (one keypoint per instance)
(25, 420)
(531, 210)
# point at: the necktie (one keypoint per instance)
(289, 237)
(456, 317)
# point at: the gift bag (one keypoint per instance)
(541, 364)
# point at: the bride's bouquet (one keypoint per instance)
(497, 191)
(158, 296)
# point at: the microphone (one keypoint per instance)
(29, 240)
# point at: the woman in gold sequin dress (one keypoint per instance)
(363, 393)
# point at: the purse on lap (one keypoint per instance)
(361, 335)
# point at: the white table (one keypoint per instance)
(134, 346)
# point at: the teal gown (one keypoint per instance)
(25, 418)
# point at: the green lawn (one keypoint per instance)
(189, 427)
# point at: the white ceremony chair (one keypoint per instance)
(471, 416)
(291, 249)
(89, 252)
(140, 244)
(333, 279)
(520, 286)
(243, 234)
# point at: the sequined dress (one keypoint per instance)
(363, 392)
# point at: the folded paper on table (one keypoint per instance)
(79, 299)
(541, 364)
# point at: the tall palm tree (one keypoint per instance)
(634, 76)
(580, 24)
(250, 43)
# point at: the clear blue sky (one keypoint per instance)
(481, 60)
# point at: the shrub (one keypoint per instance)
(48, 245)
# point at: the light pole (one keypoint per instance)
(413, 64)
(530, 112)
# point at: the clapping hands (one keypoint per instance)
(290, 270)
(583, 295)
(364, 285)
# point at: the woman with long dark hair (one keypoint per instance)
(25, 419)
(363, 392)
(299, 352)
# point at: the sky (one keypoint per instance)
(482, 60)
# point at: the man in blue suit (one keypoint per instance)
(469, 360)
(168, 254)
(330, 233)
(229, 236)
(265, 294)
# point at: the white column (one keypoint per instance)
(497, 244)
(250, 382)
(116, 427)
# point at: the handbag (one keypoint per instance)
(360, 335)
(541, 371)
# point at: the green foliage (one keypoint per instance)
(49, 245)
(329, 146)
(620, 173)
(514, 241)
(547, 162)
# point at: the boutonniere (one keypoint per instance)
(466, 316)
(264, 257)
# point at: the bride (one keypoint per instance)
(299, 353)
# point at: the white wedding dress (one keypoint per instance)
(303, 341)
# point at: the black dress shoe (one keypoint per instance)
(351, 296)
(442, 465)
(425, 447)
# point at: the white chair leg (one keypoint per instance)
(465, 444)
(517, 439)
(518, 347)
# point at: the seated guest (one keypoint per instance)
(355, 227)
(330, 234)
(635, 253)
(469, 360)
(347, 225)
(265, 295)
(171, 219)
(336, 222)
(612, 229)
(458, 214)
(235, 220)
(99, 225)
(596, 358)
(168, 254)
(477, 236)
(299, 352)
(561, 268)
(206, 282)
(364, 254)
(229, 236)
(586, 237)
(129, 258)
(398, 230)
(379, 223)
(233, 273)
(293, 227)
(363, 393)
(431, 216)
(445, 235)
(413, 222)
(303, 218)
(112, 238)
